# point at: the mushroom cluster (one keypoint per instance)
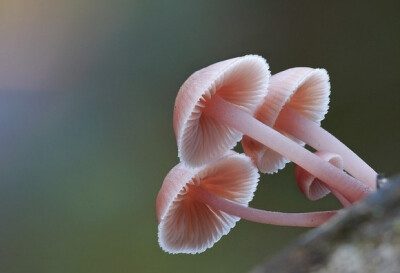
(235, 100)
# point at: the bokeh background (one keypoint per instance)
(86, 96)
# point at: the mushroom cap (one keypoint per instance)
(303, 89)
(187, 225)
(242, 81)
(311, 186)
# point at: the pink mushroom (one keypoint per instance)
(312, 187)
(296, 103)
(197, 206)
(214, 107)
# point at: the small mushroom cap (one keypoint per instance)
(187, 225)
(242, 81)
(311, 186)
(303, 89)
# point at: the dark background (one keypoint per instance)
(86, 96)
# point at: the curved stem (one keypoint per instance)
(306, 219)
(306, 182)
(242, 121)
(320, 139)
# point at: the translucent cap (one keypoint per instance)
(242, 81)
(187, 225)
(302, 89)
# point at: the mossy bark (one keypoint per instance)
(363, 238)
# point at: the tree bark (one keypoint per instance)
(362, 238)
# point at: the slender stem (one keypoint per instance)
(306, 181)
(320, 139)
(242, 121)
(306, 219)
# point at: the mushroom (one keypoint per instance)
(296, 103)
(312, 187)
(214, 108)
(197, 206)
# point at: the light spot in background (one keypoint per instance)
(50, 44)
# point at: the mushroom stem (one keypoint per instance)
(306, 219)
(317, 137)
(245, 123)
(312, 187)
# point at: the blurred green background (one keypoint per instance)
(86, 96)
